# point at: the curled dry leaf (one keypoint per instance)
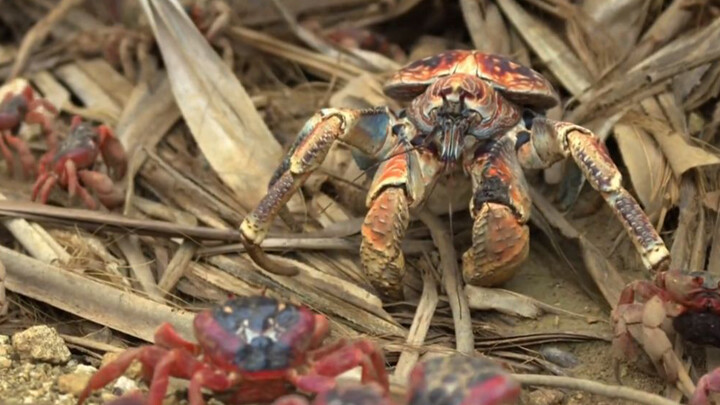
(679, 151)
(220, 114)
(645, 162)
(546, 44)
(623, 20)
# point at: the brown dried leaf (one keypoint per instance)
(218, 110)
(645, 162)
(623, 20)
(551, 49)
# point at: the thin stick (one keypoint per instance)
(38, 33)
(610, 391)
(89, 299)
(420, 325)
(451, 279)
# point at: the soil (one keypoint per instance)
(545, 276)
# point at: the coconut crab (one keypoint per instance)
(650, 313)
(16, 109)
(256, 348)
(449, 380)
(469, 112)
(71, 164)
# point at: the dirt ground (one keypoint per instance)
(544, 276)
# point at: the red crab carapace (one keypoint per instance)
(16, 109)
(255, 348)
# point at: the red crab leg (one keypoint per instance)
(166, 336)
(365, 130)
(501, 208)
(551, 141)
(182, 364)
(322, 374)
(7, 154)
(707, 384)
(26, 157)
(209, 379)
(75, 187)
(109, 195)
(112, 151)
(147, 355)
(42, 188)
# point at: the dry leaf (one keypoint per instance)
(220, 114)
(645, 162)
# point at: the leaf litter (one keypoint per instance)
(205, 123)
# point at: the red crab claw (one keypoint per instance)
(109, 195)
(113, 152)
(709, 383)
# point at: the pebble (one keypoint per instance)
(73, 383)
(544, 396)
(5, 352)
(41, 343)
(560, 357)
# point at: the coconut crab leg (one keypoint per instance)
(550, 141)
(367, 130)
(501, 208)
(399, 185)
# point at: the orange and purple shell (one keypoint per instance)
(518, 83)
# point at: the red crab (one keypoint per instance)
(71, 164)
(360, 38)
(709, 383)
(15, 109)
(451, 380)
(255, 347)
(469, 114)
(649, 314)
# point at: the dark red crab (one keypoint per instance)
(470, 114)
(452, 380)
(16, 109)
(254, 348)
(650, 313)
(72, 165)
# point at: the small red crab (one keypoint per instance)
(650, 313)
(71, 165)
(470, 114)
(211, 17)
(15, 109)
(450, 380)
(257, 347)
(360, 38)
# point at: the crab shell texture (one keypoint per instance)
(458, 379)
(518, 83)
(258, 335)
(698, 294)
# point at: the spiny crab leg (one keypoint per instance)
(500, 208)
(550, 141)
(366, 130)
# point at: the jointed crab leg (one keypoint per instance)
(551, 140)
(399, 185)
(501, 208)
(366, 130)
